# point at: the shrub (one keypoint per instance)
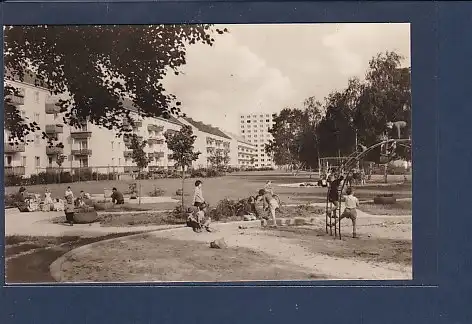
(157, 192)
(11, 200)
(15, 180)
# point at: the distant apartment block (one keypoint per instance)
(254, 129)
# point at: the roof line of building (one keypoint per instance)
(209, 129)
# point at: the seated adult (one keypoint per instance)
(117, 197)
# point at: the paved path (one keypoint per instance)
(40, 224)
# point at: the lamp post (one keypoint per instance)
(357, 144)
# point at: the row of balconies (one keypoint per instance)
(54, 150)
(135, 124)
(155, 155)
(59, 129)
(154, 141)
(155, 128)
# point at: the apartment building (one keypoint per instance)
(243, 154)
(254, 129)
(23, 158)
(90, 146)
(209, 140)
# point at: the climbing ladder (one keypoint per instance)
(348, 164)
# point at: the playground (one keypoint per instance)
(306, 241)
(303, 252)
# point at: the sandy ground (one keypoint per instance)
(382, 252)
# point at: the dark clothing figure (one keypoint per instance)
(333, 194)
(69, 210)
(117, 197)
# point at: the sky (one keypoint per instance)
(269, 67)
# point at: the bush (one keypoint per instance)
(11, 200)
(15, 180)
(229, 208)
(157, 192)
(206, 173)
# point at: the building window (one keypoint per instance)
(248, 121)
(242, 131)
(267, 120)
(113, 161)
(37, 140)
(37, 161)
(112, 145)
(36, 96)
(9, 160)
(36, 117)
(23, 161)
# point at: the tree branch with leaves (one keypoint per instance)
(181, 144)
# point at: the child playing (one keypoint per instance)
(352, 203)
(202, 219)
(198, 194)
(192, 219)
(333, 192)
(268, 187)
(269, 203)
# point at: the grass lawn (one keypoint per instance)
(28, 257)
(158, 259)
(233, 186)
(401, 207)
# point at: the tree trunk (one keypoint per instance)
(183, 181)
(385, 173)
(139, 189)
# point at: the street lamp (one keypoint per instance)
(357, 144)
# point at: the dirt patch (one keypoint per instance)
(34, 267)
(402, 207)
(367, 249)
(157, 259)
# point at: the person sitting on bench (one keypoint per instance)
(117, 197)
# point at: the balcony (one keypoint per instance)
(82, 151)
(18, 98)
(80, 134)
(155, 128)
(14, 170)
(52, 108)
(54, 150)
(54, 129)
(13, 148)
(156, 141)
(135, 124)
(131, 169)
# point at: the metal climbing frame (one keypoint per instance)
(348, 164)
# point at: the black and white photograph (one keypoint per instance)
(207, 153)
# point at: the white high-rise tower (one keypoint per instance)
(254, 128)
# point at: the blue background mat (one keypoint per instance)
(441, 291)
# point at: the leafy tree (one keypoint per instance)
(60, 159)
(284, 146)
(219, 158)
(181, 144)
(98, 67)
(138, 156)
(357, 114)
(137, 152)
